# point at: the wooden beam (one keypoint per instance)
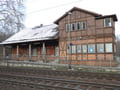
(30, 50)
(4, 51)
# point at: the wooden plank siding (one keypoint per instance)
(24, 55)
(95, 33)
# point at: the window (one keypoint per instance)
(83, 25)
(91, 48)
(108, 47)
(100, 48)
(73, 26)
(107, 22)
(56, 51)
(78, 26)
(67, 27)
(84, 48)
(68, 49)
(73, 49)
(34, 51)
(78, 48)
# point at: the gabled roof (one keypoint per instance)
(46, 32)
(77, 9)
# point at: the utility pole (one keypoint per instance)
(69, 40)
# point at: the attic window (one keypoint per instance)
(107, 22)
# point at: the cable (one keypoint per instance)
(52, 7)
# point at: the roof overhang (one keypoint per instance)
(108, 16)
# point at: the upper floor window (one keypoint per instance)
(78, 26)
(73, 26)
(67, 27)
(83, 25)
(107, 22)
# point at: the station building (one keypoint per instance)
(77, 37)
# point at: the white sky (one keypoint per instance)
(42, 11)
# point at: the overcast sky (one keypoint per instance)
(47, 11)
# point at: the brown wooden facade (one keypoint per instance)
(23, 51)
(95, 33)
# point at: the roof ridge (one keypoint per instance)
(80, 9)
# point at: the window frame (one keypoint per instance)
(73, 49)
(105, 25)
(68, 49)
(98, 51)
(68, 27)
(78, 25)
(86, 48)
(73, 25)
(80, 48)
(34, 53)
(56, 51)
(94, 49)
(106, 48)
(82, 24)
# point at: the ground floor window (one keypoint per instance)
(34, 51)
(84, 48)
(108, 47)
(73, 49)
(91, 48)
(68, 49)
(56, 51)
(78, 48)
(100, 48)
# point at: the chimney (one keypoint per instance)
(41, 25)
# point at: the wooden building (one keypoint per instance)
(33, 44)
(84, 37)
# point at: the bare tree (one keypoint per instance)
(11, 17)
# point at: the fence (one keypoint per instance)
(108, 61)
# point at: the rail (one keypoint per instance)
(53, 83)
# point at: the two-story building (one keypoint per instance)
(84, 37)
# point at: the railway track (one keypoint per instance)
(45, 79)
(22, 82)
(46, 72)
